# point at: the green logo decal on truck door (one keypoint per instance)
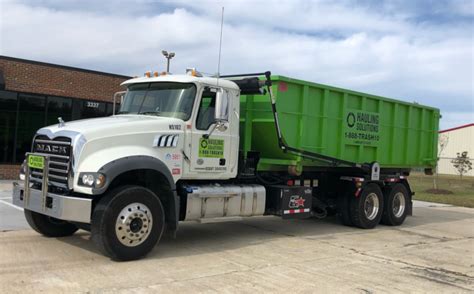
(361, 127)
(211, 148)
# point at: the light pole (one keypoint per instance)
(168, 56)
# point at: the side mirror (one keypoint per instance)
(221, 111)
(118, 96)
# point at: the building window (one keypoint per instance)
(8, 107)
(31, 117)
(22, 115)
(110, 108)
(58, 107)
(88, 109)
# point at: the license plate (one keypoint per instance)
(35, 161)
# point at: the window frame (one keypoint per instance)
(149, 84)
(204, 90)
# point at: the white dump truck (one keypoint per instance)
(189, 147)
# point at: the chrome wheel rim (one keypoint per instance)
(371, 206)
(133, 225)
(398, 204)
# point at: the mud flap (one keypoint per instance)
(290, 201)
(410, 205)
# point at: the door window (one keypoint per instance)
(205, 117)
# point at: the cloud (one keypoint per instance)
(411, 50)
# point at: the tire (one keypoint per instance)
(396, 205)
(49, 226)
(366, 210)
(122, 219)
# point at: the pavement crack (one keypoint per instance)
(365, 290)
(441, 281)
(440, 240)
(424, 235)
(441, 275)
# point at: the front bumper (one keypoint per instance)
(58, 206)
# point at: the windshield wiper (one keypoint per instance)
(150, 112)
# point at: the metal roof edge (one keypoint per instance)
(457, 128)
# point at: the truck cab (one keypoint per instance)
(169, 128)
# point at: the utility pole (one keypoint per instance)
(168, 56)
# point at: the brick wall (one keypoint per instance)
(49, 79)
(42, 78)
(9, 172)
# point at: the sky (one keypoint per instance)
(417, 51)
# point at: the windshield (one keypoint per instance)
(160, 99)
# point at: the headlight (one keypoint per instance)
(88, 179)
(23, 170)
(93, 180)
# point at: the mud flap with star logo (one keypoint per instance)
(290, 201)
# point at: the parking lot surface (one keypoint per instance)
(432, 252)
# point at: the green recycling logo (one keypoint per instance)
(351, 119)
(211, 148)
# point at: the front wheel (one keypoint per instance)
(366, 209)
(49, 226)
(128, 222)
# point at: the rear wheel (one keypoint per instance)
(49, 226)
(366, 209)
(396, 203)
(128, 222)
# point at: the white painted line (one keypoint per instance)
(9, 204)
(5, 198)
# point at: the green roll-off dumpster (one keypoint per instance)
(339, 123)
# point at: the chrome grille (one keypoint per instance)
(59, 164)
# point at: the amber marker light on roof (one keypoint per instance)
(147, 74)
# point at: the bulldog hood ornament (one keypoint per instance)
(61, 122)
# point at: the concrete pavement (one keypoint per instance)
(11, 217)
(432, 252)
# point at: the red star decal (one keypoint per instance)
(300, 202)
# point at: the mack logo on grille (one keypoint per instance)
(47, 148)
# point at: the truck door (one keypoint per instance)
(212, 154)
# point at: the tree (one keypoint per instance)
(462, 163)
(443, 141)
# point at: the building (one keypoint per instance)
(451, 142)
(34, 94)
